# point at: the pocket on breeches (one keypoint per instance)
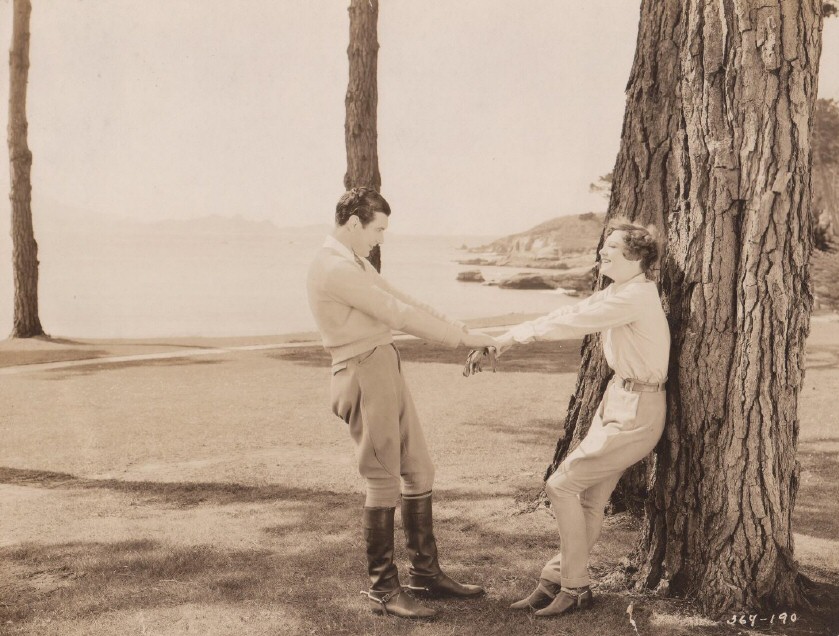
(345, 389)
(346, 403)
(344, 393)
(621, 408)
(380, 405)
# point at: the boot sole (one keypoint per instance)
(426, 593)
(529, 606)
(570, 610)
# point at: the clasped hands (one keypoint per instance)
(484, 349)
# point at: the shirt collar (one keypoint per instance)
(638, 278)
(334, 244)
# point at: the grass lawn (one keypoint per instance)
(218, 495)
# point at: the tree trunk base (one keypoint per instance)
(32, 332)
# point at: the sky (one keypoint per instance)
(493, 115)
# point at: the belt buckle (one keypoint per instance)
(628, 385)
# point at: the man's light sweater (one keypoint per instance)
(355, 308)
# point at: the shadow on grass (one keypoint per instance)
(818, 492)
(89, 369)
(822, 357)
(539, 431)
(311, 570)
(180, 494)
(558, 356)
(187, 494)
(83, 579)
(14, 358)
(23, 358)
(318, 581)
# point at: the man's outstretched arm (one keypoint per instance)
(351, 286)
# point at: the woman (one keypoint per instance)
(630, 418)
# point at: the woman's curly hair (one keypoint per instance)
(640, 242)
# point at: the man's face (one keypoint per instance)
(365, 238)
(613, 261)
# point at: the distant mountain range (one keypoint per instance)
(230, 226)
(52, 218)
(215, 225)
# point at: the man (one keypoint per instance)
(356, 310)
(630, 418)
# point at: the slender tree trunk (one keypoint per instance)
(825, 178)
(25, 250)
(826, 169)
(715, 151)
(361, 103)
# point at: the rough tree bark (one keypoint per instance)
(26, 322)
(362, 99)
(715, 150)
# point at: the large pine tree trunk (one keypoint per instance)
(715, 151)
(362, 99)
(25, 250)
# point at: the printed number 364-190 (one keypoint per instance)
(754, 619)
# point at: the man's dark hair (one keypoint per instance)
(363, 202)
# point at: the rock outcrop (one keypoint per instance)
(580, 279)
(471, 276)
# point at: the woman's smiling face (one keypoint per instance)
(613, 260)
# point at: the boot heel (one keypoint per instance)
(584, 600)
(399, 604)
(566, 602)
(539, 598)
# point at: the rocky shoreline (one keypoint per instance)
(561, 250)
(573, 281)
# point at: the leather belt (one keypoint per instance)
(637, 386)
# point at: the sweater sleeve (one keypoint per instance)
(356, 288)
(602, 310)
(409, 300)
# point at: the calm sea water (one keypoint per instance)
(150, 283)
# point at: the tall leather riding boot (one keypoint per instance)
(425, 574)
(386, 594)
